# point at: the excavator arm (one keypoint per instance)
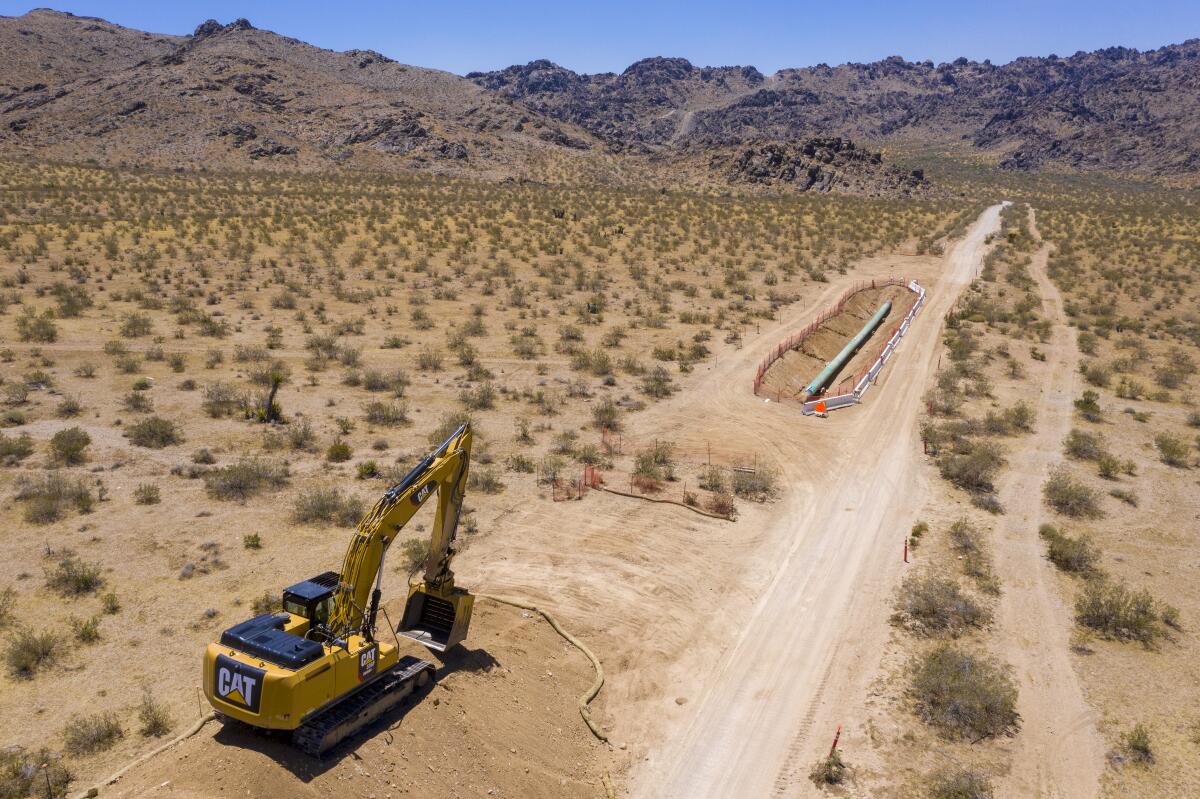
(437, 613)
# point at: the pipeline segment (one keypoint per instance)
(833, 367)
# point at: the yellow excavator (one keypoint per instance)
(316, 669)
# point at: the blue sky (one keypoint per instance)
(598, 37)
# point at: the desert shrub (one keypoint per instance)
(413, 554)
(339, 452)
(367, 470)
(1088, 406)
(485, 480)
(110, 605)
(607, 414)
(429, 360)
(934, 605)
(1116, 611)
(34, 774)
(26, 652)
(974, 467)
(136, 325)
(1070, 496)
(246, 478)
(147, 494)
(37, 328)
(389, 414)
(963, 695)
(958, 783)
(204, 457)
(48, 499)
(300, 435)
(154, 432)
(221, 399)
(658, 383)
(153, 716)
(713, 479)
(1096, 373)
(829, 770)
(448, 424)
(1083, 445)
(721, 503)
(327, 505)
(760, 484)
(84, 735)
(1136, 744)
(522, 464)
(8, 599)
(252, 541)
(69, 408)
(266, 603)
(1077, 555)
(15, 449)
(87, 631)
(479, 398)
(137, 402)
(1125, 495)
(1172, 450)
(67, 446)
(967, 542)
(72, 577)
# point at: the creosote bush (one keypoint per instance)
(84, 735)
(963, 695)
(67, 446)
(958, 783)
(39, 773)
(1077, 555)
(1118, 612)
(26, 652)
(1070, 496)
(47, 499)
(329, 505)
(934, 605)
(72, 577)
(246, 478)
(829, 770)
(154, 432)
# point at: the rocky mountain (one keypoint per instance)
(79, 88)
(1116, 109)
(231, 96)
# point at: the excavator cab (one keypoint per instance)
(438, 619)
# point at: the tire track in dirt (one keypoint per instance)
(1058, 752)
(750, 727)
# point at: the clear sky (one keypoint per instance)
(608, 36)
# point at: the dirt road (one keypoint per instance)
(850, 488)
(1059, 752)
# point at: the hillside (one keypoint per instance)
(75, 88)
(232, 97)
(1116, 109)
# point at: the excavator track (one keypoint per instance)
(351, 714)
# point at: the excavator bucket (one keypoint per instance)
(437, 619)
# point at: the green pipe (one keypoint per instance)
(822, 380)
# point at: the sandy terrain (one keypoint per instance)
(762, 716)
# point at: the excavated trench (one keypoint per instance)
(787, 377)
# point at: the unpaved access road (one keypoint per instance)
(1059, 751)
(850, 490)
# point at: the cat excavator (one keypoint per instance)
(316, 669)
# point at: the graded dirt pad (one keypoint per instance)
(788, 376)
(500, 721)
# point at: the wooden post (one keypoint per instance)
(906, 549)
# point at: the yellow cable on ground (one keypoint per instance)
(596, 686)
(195, 728)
